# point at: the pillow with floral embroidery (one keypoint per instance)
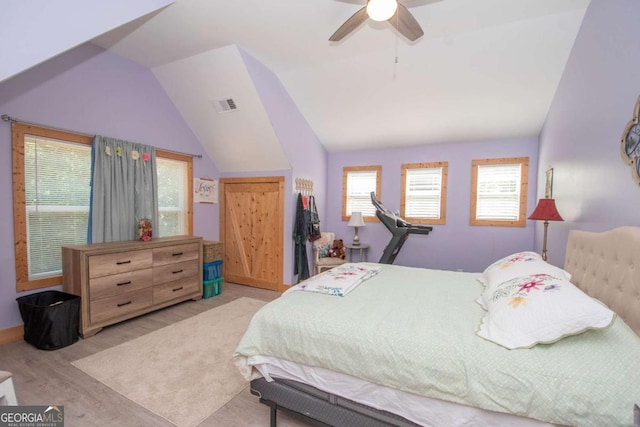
(539, 309)
(516, 265)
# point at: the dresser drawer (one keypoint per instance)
(120, 305)
(117, 280)
(105, 286)
(177, 271)
(177, 253)
(106, 264)
(177, 289)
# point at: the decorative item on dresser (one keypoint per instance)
(120, 280)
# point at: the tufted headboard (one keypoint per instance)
(604, 264)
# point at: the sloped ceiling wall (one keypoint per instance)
(66, 23)
(239, 141)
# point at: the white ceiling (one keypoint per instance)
(240, 140)
(483, 70)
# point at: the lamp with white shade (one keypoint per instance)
(356, 221)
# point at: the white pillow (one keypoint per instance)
(516, 265)
(539, 309)
(519, 264)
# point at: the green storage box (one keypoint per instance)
(211, 288)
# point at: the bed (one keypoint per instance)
(311, 353)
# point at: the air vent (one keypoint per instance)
(226, 105)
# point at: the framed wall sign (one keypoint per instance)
(205, 190)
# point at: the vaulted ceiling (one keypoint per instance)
(483, 70)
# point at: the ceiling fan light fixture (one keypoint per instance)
(381, 10)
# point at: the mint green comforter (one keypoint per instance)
(415, 330)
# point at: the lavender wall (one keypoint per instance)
(47, 29)
(455, 245)
(307, 157)
(592, 185)
(96, 92)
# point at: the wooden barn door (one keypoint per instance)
(251, 229)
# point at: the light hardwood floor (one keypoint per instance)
(48, 378)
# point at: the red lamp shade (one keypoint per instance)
(546, 210)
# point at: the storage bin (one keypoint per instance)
(212, 270)
(51, 319)
(211, 250)
(211, 288)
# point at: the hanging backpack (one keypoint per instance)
(314, 220)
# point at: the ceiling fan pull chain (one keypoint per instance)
(395, 65)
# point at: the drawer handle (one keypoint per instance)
(178, 289)
(123, 262)
(124, 303)
(176, 272)
(177, 254)
(123, 283)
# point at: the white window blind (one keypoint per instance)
(57, 190)
(360, 184)
(498, 192)
(423, 192)
(172, 199)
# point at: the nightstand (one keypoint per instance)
(361, 247)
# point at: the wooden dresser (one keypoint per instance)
(120, 280)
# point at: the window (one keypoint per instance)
(424, 192)
(51, 175)
(51, 192)
(499, 191)
(357, 184)
(175, 187)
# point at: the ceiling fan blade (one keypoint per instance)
(406, 24)
(350, 24)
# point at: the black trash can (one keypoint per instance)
(51, 319)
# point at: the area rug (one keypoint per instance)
(182, 372)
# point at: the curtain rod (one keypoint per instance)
(7, 118)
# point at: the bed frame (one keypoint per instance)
(601, 264)
(320, 407)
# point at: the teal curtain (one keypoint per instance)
(124, 189)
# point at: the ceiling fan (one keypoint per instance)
(382, 10)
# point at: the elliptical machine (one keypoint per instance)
(399, 228)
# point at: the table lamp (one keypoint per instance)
(546, 211)
(356, 221)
